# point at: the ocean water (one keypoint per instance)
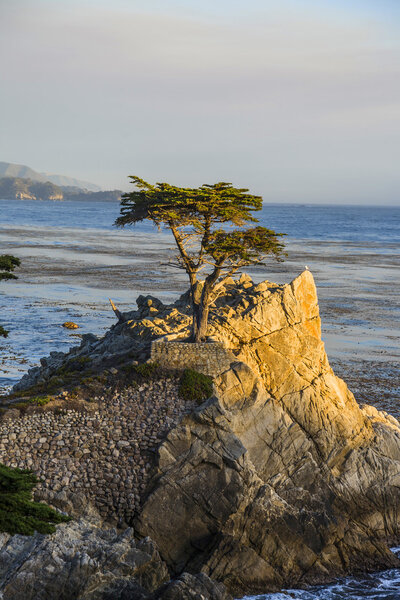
(384, 585)
(73, 260)
(380, 224)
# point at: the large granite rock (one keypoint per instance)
(79, 562)
(280, 478)
(84, 562)
(191, 587)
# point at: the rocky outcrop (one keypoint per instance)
(251, 502)
(27, 189)
(280, 478)
(192, 587)
(80, 562)
(83, 562)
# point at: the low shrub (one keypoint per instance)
(195, 386)
(35, 401)
(73, 365)
(22, 406)
(146, 370)
(41, 400)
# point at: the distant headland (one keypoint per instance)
(23, 183)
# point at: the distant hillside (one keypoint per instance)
(27, 189)
(24, 172)
(74, 193)
(11, 170)
(63, 181)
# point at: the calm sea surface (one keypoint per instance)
(379, 224)
(73, 260)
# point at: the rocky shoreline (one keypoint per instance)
(279, 478)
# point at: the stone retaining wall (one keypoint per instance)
(104, 455)
(101, 456)
(209, 358)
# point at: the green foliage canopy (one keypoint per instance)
(7, 264)
(196, 218)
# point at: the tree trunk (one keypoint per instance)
(200, 320)
(195, 296)
(201, 308)
(194, 335)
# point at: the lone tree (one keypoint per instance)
(196, 217)
(7, 264)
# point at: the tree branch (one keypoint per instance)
(187, 261)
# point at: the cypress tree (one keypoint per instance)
(207, 224)
(18, 513)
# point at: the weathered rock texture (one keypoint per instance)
(192, 587)
(280, 478)
(79, 562)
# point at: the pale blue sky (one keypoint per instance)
(296, 99)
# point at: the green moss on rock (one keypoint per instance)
(195, 386)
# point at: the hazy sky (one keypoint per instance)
(299, 100)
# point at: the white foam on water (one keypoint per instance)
(383, 585)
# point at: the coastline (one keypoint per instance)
(358, 285)
(86, 267)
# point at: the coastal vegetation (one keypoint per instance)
(18, 513)
(195, 386)
(207, 224)
(8, 263)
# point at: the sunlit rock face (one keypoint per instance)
(276, 330)
(280, 478)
